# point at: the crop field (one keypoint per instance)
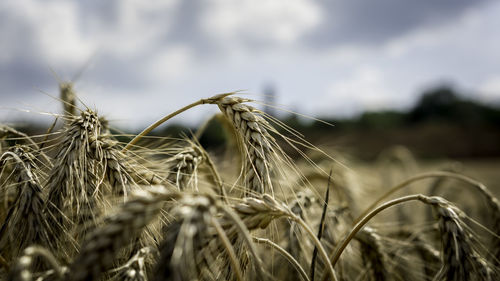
(84, 201)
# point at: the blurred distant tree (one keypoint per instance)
(443, 104)
(435, 104)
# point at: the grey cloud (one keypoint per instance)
(372, 22)
(120, 73)
(186, 29)
(357, 22)
(103, 12)
(24, 68)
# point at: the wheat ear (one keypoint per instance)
(190, 248)
(184, 167)
(259, 212)
(460, 260)
(73, 183)
(256, 143)
(103, 244)
(5, 130)
(25, 223)
(491, 201)
(451, 227)
(68, 98)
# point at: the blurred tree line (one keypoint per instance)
(442, 123)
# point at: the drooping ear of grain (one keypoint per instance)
(460, 262)
(255, 140)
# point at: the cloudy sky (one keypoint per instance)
(143, 59)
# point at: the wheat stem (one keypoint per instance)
(405, 183)
(285, 254)
(321, 227)
(171, 115)
(366, 219)
(229, 248)
(321, 249)
(244, 232)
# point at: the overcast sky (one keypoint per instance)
(143, 59)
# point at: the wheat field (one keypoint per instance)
(82, 202)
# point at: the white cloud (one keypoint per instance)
(138, 27)
(469, 32)
(171, 63)
(489, 90)
(365, 89)
(277, 21)
(53, 26)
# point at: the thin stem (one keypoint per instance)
(285, 254)
(321, 226)
(49, 130)
(321, 250)
(244, 232)
(158, 123)
(405, 183)
(229, 248)
(4, 264)
(151, 127)
(216, 177)
(365, 219)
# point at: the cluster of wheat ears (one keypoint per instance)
(77, 204)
